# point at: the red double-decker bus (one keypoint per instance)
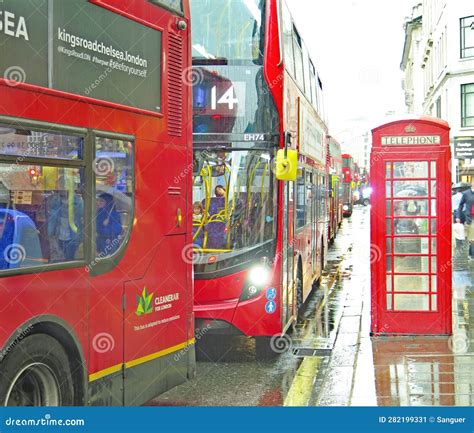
(336, 191)
(260, 243)
(348, 184)
(95, 150)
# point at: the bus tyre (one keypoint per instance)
(36, 373)
(264, 349)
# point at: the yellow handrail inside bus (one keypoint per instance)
(209, 251)
(250, 183)
(70, 190)
(265, 171)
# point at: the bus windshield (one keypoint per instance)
(229, 31)
(234, 200)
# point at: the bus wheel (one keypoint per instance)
(36, 373)
(268, 348)
(264, 350)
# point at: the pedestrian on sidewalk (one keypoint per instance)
(459, 233)
(467, 200)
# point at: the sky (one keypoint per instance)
(357, 47)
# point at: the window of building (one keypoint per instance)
(438, 108)
(467, 105)
(467, 37)
(114, 194)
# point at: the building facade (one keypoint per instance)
(438, 63)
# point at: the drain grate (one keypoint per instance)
(303, 352)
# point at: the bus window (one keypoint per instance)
(300, 202)
(298, 51)
(213, 31)
(288, 41)
(114, 194)
(309, 197)
(237, 201)
(42, 223)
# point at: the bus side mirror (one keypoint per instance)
(287, 165)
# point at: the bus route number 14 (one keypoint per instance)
(228, 98)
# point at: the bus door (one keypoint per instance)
(157, 303)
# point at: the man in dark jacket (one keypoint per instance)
(468, 201)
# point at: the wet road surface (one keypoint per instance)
(350, 367)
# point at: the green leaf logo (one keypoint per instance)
(144, 303)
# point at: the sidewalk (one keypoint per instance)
(401, 371)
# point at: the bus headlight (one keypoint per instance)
(345, 207)
(259, 276)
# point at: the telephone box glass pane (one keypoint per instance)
(433, 169)
(411, 226)
(388, 227)
(389, 264)
(388, 170)
(412, 303)
(411, 246)
(389, 283)
(433, 208)
(433, 246)
(412, 208)
(411, 188)
(434, 188)
(434, 283)
(411, 265)
(389, 246)
(433, 226)
(434, 302)
(433, 264)
(389, 302)
(388, 189)
(388, 208)
(412, 283)
(410, 169)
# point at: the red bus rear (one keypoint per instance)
(348, 184)
(96, 302)
(259, 243)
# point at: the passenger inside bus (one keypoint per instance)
(216, 227)
(65, 225)
(108, 225)
(19, 242)
(198, 221)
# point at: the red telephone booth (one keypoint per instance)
(411, 224)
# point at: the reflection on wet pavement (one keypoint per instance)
(349, 368)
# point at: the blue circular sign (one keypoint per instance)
(271, 294)
(271, 307)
